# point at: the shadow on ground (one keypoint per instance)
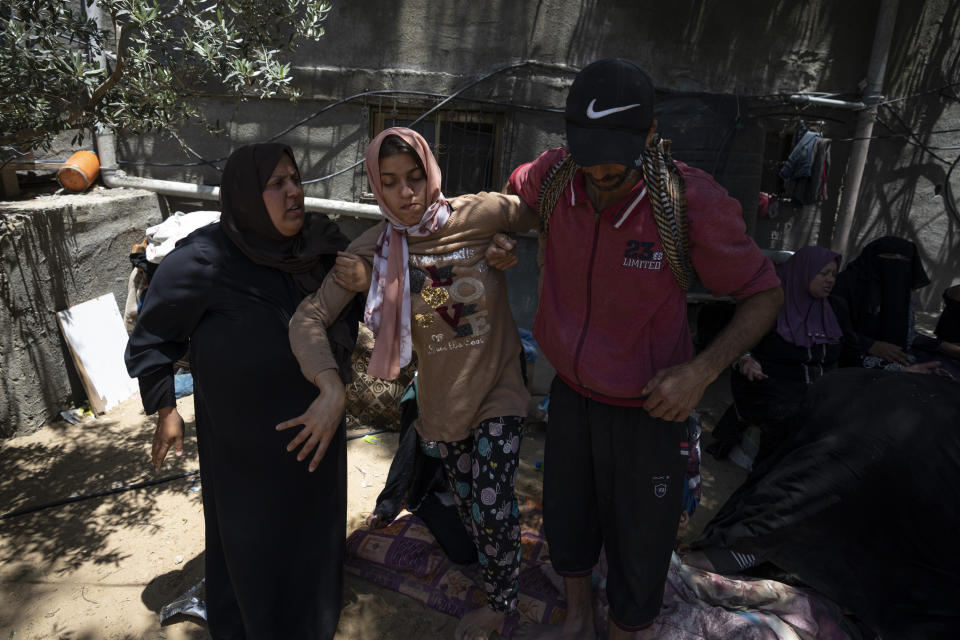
(40, 550)
(63, 573)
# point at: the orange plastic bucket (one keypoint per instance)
(79, 171)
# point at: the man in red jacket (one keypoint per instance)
(612, 321)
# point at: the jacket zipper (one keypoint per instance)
(586, 322)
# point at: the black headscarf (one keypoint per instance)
(307, 256)
(878, 289)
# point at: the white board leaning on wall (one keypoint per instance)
(96, 337)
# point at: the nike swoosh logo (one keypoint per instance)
(593, 115)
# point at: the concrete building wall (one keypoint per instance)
(514, 61)
(746, 49)
(56, 252)
(905, 186)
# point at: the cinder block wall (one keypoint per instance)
(56, 252)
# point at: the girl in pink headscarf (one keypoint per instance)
(432, 292)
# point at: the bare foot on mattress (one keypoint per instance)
(479, 624)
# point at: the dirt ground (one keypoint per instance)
(102, 568)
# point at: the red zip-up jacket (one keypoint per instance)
(611, 313)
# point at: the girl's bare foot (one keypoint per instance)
(479, 624)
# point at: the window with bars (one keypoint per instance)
(465, 143)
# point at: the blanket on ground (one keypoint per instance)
(697, 605)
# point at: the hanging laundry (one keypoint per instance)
(800, 160)
(806, 168)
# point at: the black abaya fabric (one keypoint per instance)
(948, 326)
(416, 482)
(771, 403)
(274, 532)
(861, 502)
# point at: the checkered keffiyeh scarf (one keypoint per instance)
(668, 200)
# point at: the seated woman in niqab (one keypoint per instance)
(874, 296)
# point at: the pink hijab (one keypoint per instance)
(387, 312)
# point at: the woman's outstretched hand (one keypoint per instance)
(320, 421)
(352, 272)
(169, 433)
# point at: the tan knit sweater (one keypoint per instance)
(463, 332)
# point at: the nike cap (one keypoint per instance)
(609, 113)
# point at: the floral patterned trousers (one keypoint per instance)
(482, 471)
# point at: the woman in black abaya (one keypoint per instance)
(874, 297)
(274, 525)
(874, 290)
